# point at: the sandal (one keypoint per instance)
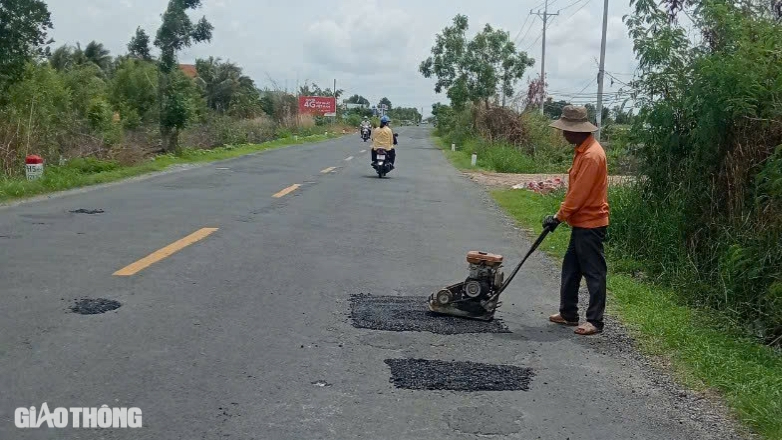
(560, 320)
(587, 329)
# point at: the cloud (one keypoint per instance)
(357, 42)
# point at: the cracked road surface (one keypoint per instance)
(244, 332)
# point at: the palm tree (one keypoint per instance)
(96, 53)
(62, 58)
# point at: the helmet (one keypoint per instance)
(385, 119)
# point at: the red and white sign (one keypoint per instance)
(33, 167)
(318, 105)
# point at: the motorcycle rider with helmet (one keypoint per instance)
(384, 138)
(366, 124)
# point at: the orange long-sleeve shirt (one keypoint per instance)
(586, 200)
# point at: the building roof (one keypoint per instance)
(189, 70)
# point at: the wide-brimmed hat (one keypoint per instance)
(574, 118)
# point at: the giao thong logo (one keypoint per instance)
(98, 417)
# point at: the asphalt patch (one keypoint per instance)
(411, 314)
(423, 374)
(485, 420)
(87, 211)
(94, 306)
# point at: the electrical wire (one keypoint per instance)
(576, 11)
(516, 40)
(533, 43)
(570, 5)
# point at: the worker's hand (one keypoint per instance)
(550, 222)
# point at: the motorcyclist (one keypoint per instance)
(366, 124)
(384, 138)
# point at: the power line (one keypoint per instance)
(617, 79)
(576, 11)
(571, 5)
(527, 33)
(588, 84)
(516, 40)
(533, 43)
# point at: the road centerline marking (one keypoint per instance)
(349, 158)
(363, 151)
(162, 253)
(328, 170)
(286, 191)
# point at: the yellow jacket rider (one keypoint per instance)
(383, 138)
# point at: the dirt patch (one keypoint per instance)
(509, 180)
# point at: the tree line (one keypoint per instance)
(83, 100)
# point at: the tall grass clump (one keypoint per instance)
(505, 141)
(707, 215)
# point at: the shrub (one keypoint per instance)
(709, 128)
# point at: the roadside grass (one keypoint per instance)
(703, 352)
(500, 158)
(81, 172)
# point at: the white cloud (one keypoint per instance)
(356, 42)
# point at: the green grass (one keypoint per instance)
(497, 158)
(703, 354)
(88, 171)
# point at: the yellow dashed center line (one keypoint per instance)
(167, 251)
(286, 191)
(328, 170)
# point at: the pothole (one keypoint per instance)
(87, 211)
(423, 374)
(410, 313)
(94, 306)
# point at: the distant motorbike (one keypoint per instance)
(365, 133)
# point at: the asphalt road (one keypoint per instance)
(246, 333)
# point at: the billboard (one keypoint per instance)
(318, 105)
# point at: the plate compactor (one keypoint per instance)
(477, 296)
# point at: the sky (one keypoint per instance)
(372, 48)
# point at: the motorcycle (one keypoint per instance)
(365, 133)
(382, 165)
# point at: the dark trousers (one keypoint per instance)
(390, 155)
(585, 258)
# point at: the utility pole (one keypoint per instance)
(601, 73)
(545, 16)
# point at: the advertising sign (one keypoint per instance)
(318, 105)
